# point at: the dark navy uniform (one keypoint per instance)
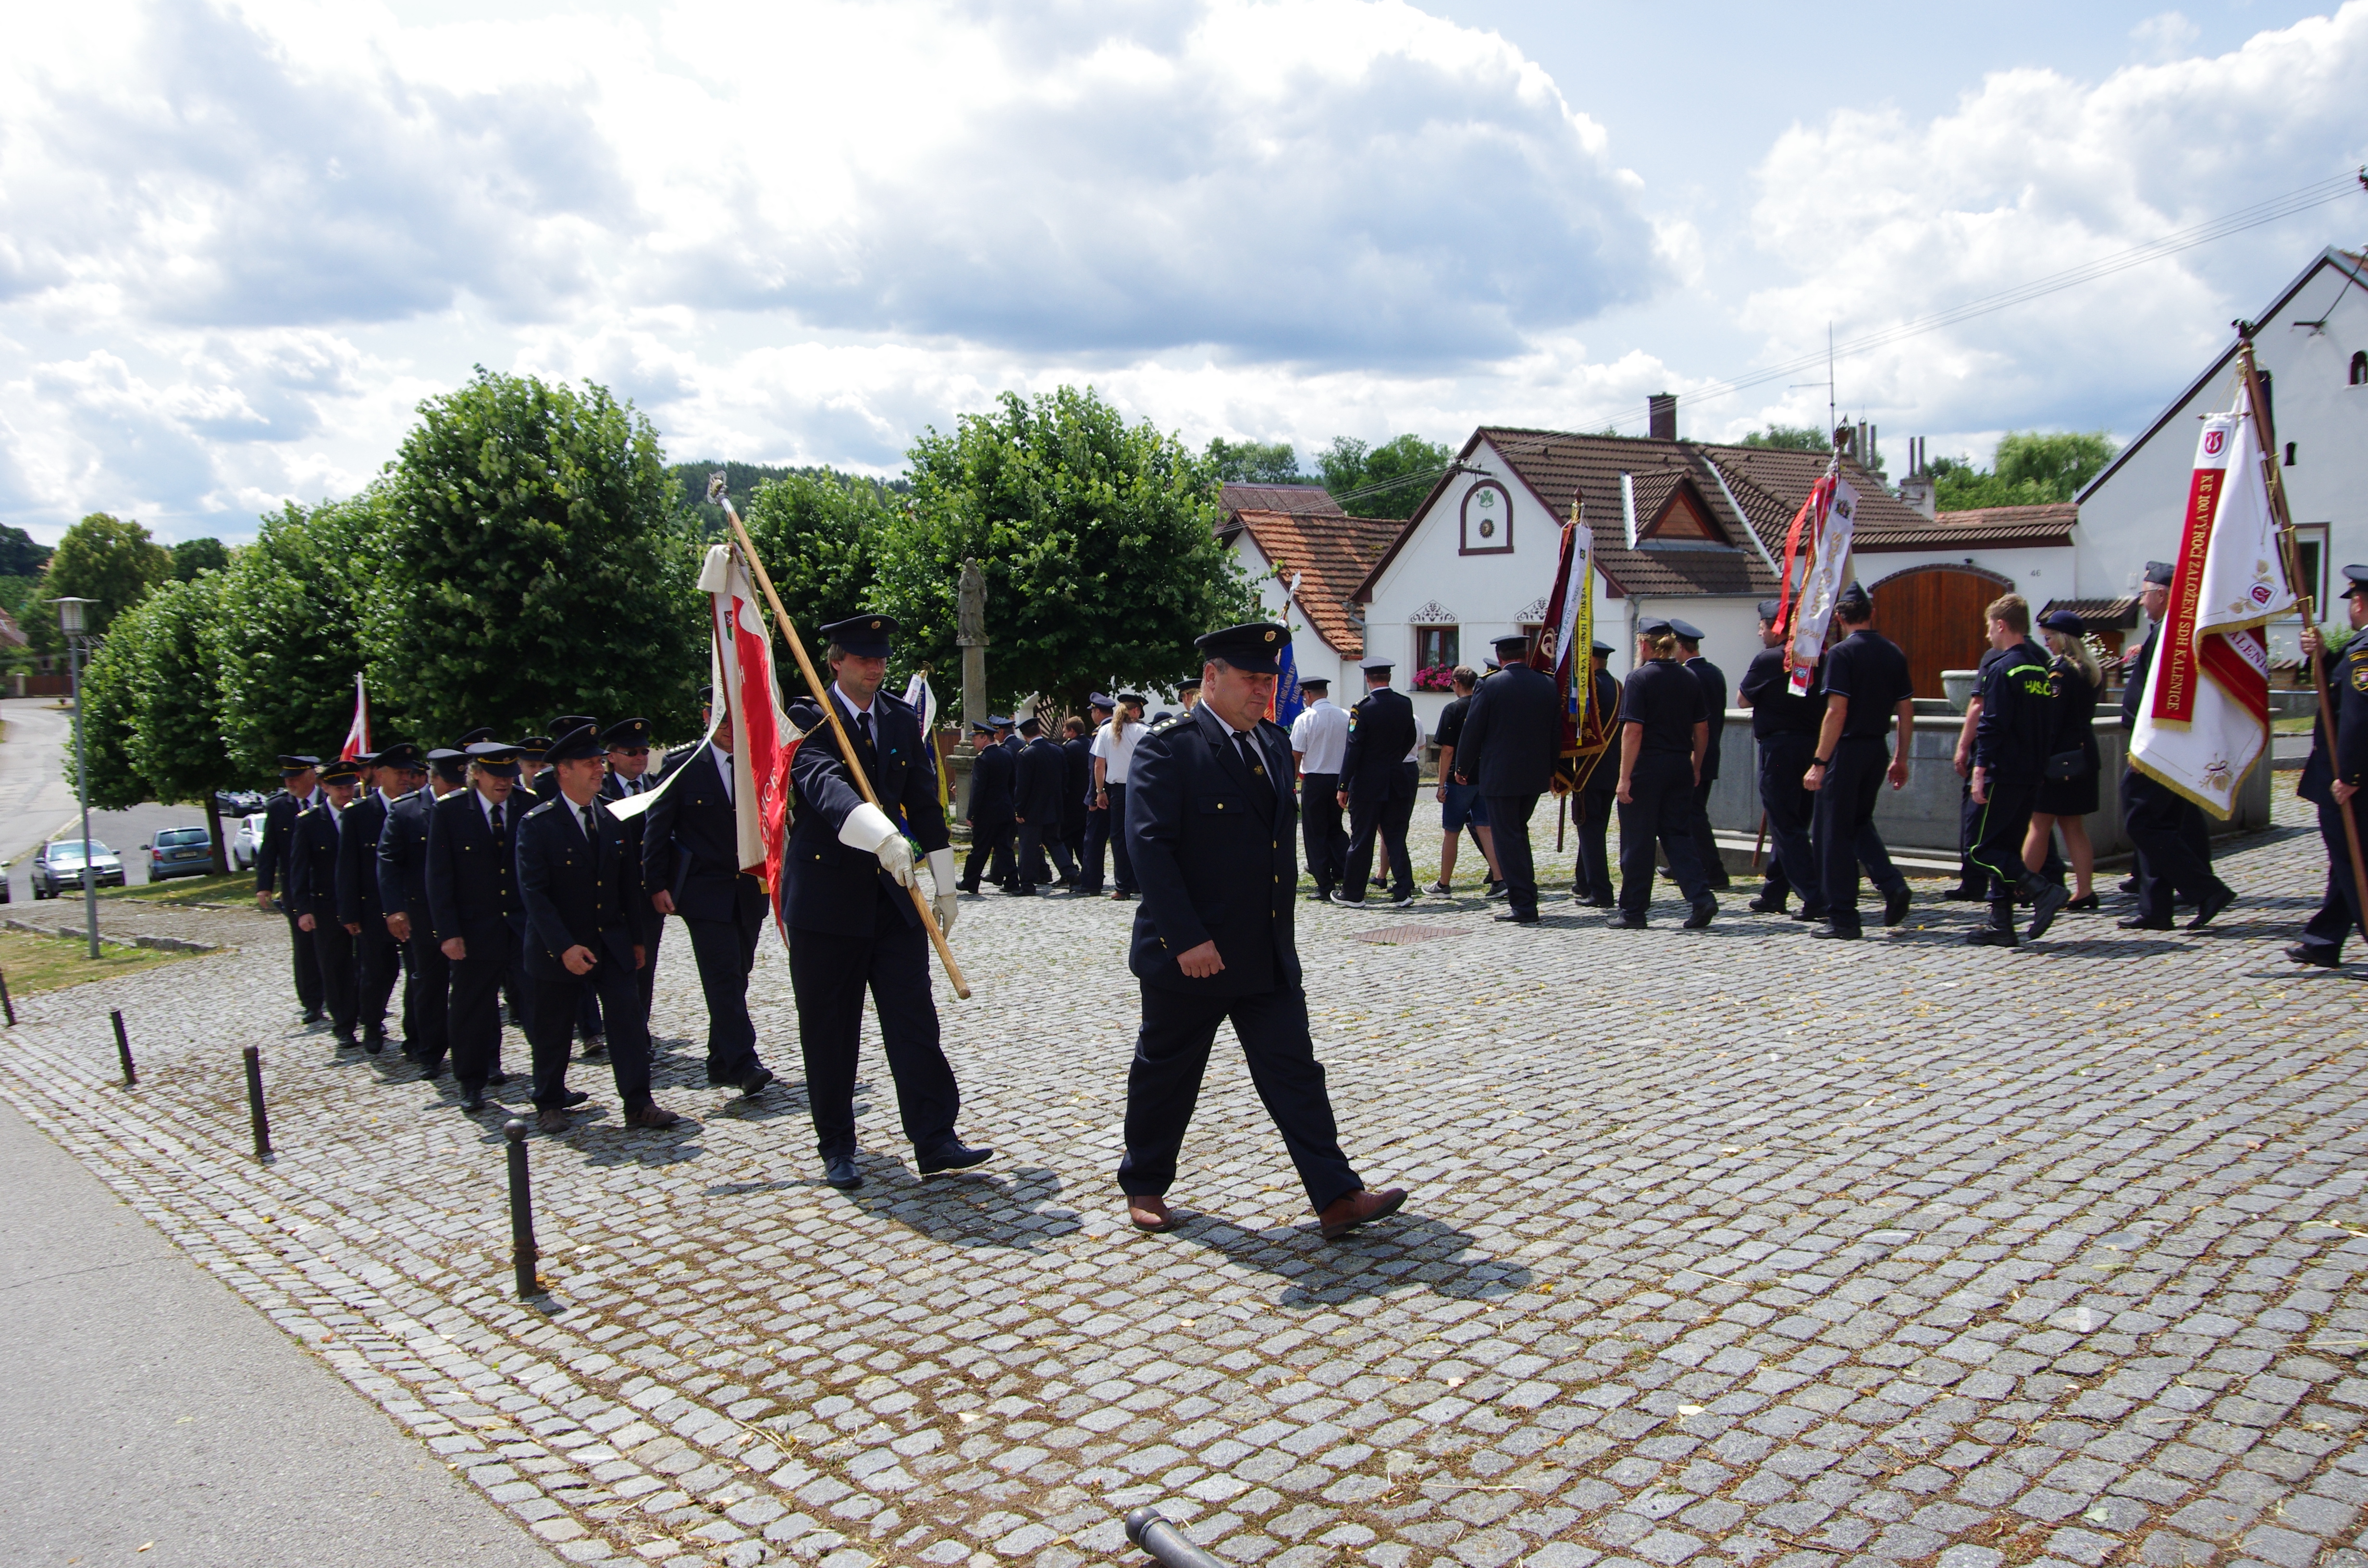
(1786, 729)
(314, 851)
(581, 887)
(378, 956)
(852, 926)
(991, 825)
(1663, 704)
(1214, 831)
(1077, 794)
(691, 849)
(1379, 789)
(280, 814)
(1869, 671)
(2174, 856)
(1511, 740)
(2012, 741)
(2346, 757)
(1599, 801)
(402, 890)
(1037, 788)
(1714, 685)
(636, 732)
(473, 896)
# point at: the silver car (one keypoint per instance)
(63, 864)
(180, 852)
(247, 844)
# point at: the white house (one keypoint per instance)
(2311, 342)
(1284, 534)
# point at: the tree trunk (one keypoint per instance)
(214, 831)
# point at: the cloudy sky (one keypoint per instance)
(241, 239)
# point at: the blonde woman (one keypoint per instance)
(2067, 803)
(1113, 755)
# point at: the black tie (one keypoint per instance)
(1261, 788)
(497, 820)
(864, 720)
(590, 836)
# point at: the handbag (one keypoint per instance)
(2067, 764)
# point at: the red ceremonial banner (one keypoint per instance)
(2175, 650)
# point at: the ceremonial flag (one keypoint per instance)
(2204, 718)
(923, 701)
(1822, 527)
(1287, 702)
(1569, 635)
(357, 733)
(763, 738)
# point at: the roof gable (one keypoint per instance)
(1330, 554)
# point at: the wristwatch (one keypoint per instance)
(1819, 762)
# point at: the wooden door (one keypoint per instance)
(1934, 613)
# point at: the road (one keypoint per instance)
(37, 804)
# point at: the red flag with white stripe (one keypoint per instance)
(357, 733)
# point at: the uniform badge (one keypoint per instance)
(2359, 674)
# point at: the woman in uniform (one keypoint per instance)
(1664, 731)
(2066, 803)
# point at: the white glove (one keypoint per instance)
(941, 871)
(945, 906)
(867, 827)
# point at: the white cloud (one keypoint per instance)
(2166, 36)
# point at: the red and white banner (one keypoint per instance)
(763, 739)
(2204, 718)
(1822, 528)
(357, 733)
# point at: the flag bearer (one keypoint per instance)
(1785, 727)
(2011, 744)
(2331, 779)
(2173, 855)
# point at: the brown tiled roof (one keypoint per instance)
(1303, 500)
(1333, 554)
(1989, 526)
(2119, 615)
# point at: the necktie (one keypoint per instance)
(1261, 788)
(496, 822)
(589, 836)
(863, 720)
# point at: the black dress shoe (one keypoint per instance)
(1895, 904)
(2140, 923)
(2216, 897)
(348, 1042)
(2129, 885)
(1513, 917)
(431, 1071)
(1624, 920)
(2044, 903)
(1497, 890)
(472, 1100)
(1829, 932)
(840, 1172)
(954, 1156)
(1321, 895)
(2086, 905)
(753, 1083)
(966, 887)
(314, 1014)
(1807, 916)
(1766, 904)
(594, 1049)
(1701, 914)
(569, 1099)
(373, 1044)
(1991, 937)
(497, 1077)
(2317, 958)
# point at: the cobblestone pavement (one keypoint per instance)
(1724, 1246)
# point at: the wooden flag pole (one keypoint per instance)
(716, 493)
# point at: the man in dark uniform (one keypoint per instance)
(1098, 817)
(392, 773)
(1785, 727)
(1600, 799)
(402, 893)
(1209, 821)
(479, 923)
(847, 875)
(2334, 790)
(991, 825)
(312, 856)
(588, 1028)
(1319, 740)
(1867, 689)
(1512, 738)
(1375, 788)
(586, 917)
(1714, 685)
(2163, 825)
(1188, 692)
(2011, 745)
(300, 789)
(690, 866)
(1076, 784)
(627, 742)
(1037, 784)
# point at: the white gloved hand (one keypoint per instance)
(941, 871)
(867, 827)
(944, 908)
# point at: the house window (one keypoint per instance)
(1488, 520)
(2310, 552)
(1437, 651)
(2359, 368)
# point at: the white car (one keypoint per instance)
(247, 842)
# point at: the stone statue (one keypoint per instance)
(970, 607)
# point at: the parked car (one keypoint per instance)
(180, 852)
(61, 865)
(247, 842)
(238, 803)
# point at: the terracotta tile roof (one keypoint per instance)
(1987, 527)
(2117, 615)
(1332, 553)
(1304, 500)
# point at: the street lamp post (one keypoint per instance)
(70, 621)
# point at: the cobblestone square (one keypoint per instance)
(1725, 1246)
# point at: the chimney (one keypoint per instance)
(1917, 489)
(1661, 413)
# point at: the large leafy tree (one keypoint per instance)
(19, 556)
(819, 535)
(109, 718)
(287, 641)
(1255, 463)
(535, 564)
(107, 559)
(1096, 538)
(176, 702)
(2031, 469)
(1791, 439)
(1387, 480)
(191, 556)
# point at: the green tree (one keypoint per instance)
(1351, 471)
(176, 703)
(741, 480)
(2030, 469)
(113, 563)
(191, 556)
(19, 556)
(534, 564)
(819, 536)
(1096, 538)
(1255, 462)
(1791, 439)
(287, 641)
(109, 717)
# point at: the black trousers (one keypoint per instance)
(1320, 831)
(1996, 848)
(2338, 912)
(1843, 827)
(1792, 860)
(473, 1028)
(1661, 811)
(1171, 1056)
(587, 1022)
(1089, 863)
(1509, 829)
(1705, 841)
(2154, 816)
(830, 972)
(1385, 815)
(379, 963)
(1073, 838)
(1595, 809)
(990, 849)
(556, 1007)
(1035, 845)
(1121, 858)
(309, 995)
(725, 952)
(333, 949)
(647, 979)
(427, 993)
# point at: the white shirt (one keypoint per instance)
(724, 767)
(1320, 734)
(1116, 759)
(509, 808)
(1416, 755)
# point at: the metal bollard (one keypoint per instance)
(1166, 1543)
(522, 1248)
(261, 1122)
(6, 1005)
(123, 1050)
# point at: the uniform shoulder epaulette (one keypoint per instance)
(406, 795)
(894, 697)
